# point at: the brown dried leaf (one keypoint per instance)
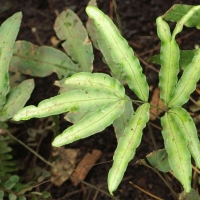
(156, 101)
(54, 41)
(66, 162)
(84, 166)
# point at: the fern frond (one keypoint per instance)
(7, 165)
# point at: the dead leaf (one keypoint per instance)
(156, 101)
(66, 162)
(84, 166)
(54, 41)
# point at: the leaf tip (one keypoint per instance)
(54, 144)
(17, 117)
(90, 9)
(57, 142)
(110, 189)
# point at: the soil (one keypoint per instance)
(139, 28)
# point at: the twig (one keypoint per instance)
(117, 16)
(148, 193)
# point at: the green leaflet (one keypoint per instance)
(74, 100)
(120, 123)
(159, 160)
(16, 99)
(99, 43)
(169, 58)
(127, 145)
(11, 182)
(187, 83)
(163, 30)
(185, 58)
(69, 27)
(184, 20)
(6, 159)
(178, 11)
(91, 28)
(21, 198)
(92, 123)
(41, 61)
(155, 59)
(8, 33)
(12, 196)
(186, 124)
(75, 117)
(126, 63)
(176, 147)
(84, 80)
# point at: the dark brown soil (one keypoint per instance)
(138, 25)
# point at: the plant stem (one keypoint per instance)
(117, 16)
(143, 162)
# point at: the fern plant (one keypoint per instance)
(11, 186)
(7, 164)
(95, 101)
